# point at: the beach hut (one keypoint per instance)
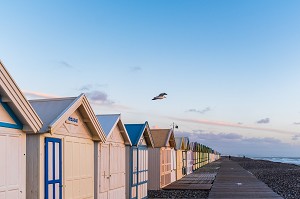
(137, 160)
(204, 155)
(60, 158)
(173, 164)
(179, 163)
(189, 155)
(180, 157)
(193, 148)
(17, 119)
(161, 161)
(111, 158)
(198, 156)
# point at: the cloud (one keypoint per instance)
(204, 135)
(66, 64)
(228, 124)
(296, 123)
(236, 144)
(86, 87)
(98, 97)
(296, 137)
(264, 121)
(35, 95)
(89, 87)
(135, 69)
(199, 111)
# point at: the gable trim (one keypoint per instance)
(17, 100)
(80, 100)
(146, 128)
(18, 124)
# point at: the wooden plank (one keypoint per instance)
(232, 181)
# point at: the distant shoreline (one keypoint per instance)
(287, 160)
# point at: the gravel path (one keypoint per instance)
(178, 194)
(282, 178)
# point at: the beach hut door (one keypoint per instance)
(53, 168)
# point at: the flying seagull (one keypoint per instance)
(160, 96)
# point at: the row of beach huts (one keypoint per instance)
(59, 149)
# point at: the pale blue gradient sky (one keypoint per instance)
(239, 59)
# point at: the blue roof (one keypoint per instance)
(107, 122)
(135, 131)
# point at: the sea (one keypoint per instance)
(289, 160)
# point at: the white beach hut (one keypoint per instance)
(137, 160)
(180, 160)
(160, 159)
(189, 156)
(60, 158)
(111, 158)
(17, 118)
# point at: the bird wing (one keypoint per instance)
(162, 94)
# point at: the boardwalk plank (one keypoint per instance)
(232, 181)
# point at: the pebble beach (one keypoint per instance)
(282, 178)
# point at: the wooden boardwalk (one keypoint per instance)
(201, 179)
(232, 181)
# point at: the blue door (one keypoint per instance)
(139, 172)
(53, 168)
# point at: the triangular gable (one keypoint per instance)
(171, 139)
(25, 116)
(192, 146)
(109, 122)
(7, 117)
(136, 131)
(54, 112)
(179, 143)
(186, 142)
(163, 138)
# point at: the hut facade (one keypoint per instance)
(111, 158)
(173, 164)
(196, 156)
(181, 156)
(161, 161)
(17, 118)
(61, 157)
(204, 155)
(189, 155)
(137, 160)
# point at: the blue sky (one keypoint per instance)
(230, 68)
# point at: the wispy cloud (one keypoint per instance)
(135, 69)
(88, 87)
(228, 124)
(99, 97)
(35, 95)
(296, 123)
(263, 121)
(66, 64)
(199, 111)
(296, 137)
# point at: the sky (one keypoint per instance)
(230, 68)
